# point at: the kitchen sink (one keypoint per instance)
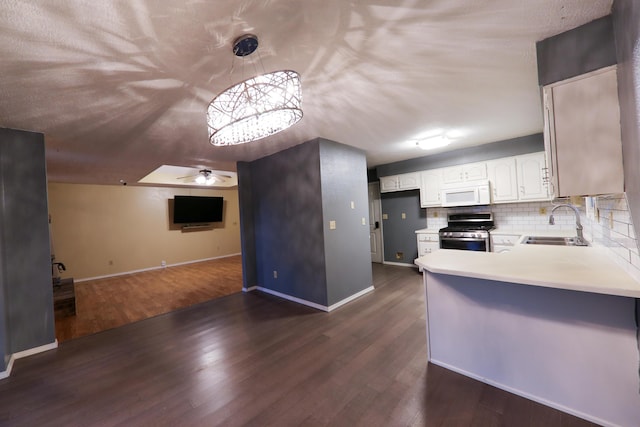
(555, 241)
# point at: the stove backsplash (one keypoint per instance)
(606, 222)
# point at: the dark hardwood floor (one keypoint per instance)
(257, 360)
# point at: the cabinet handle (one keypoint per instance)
(522, 190)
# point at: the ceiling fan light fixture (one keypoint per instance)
(257, 107)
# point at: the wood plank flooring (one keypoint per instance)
(256, 360)
(115, 301)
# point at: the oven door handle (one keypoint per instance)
(464, 239)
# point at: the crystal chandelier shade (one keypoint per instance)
(255, 108)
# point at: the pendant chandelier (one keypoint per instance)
(257, 107)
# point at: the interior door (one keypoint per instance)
(375, 222)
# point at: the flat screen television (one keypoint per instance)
(197, 209)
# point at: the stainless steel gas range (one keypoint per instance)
(467, 231)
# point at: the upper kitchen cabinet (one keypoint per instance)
(504, 180)
(430, 188)
(405, 181)
(464, 173)
(582, 135)
(532, 171)
(518, 178)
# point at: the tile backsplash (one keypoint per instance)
(605, 219)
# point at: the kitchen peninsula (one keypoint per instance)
(554, 324)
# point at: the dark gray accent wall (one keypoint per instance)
(247, 231)
(286, 201)
(581, 50)
(626, 23)
(347, 249)
(495, 150)
(399, 234)
(25, 257)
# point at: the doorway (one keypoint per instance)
(375, 222)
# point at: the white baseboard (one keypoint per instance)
(250, 289)
(526, 395)
(313, 304)
(399, 264)
(86, 279)
(24, 353)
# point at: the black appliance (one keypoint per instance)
(467, 231)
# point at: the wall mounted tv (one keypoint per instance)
(197, 209)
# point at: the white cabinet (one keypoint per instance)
(518, 178)
(464, 173)
(531, 176)
(582, 134)
(504, 180)
(405, 181)
(427, 242)
(503, 242)
(430, 188)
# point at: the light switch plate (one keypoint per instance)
(364, 221)
(332, 225)
(385, 216)
(404, 215)
(353, 205)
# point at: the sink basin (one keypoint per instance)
(555, 241)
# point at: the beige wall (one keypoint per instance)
(102, 230)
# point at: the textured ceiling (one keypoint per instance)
(121, 87)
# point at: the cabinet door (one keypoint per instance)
(531, 177)
(430, 188)
(388, 183)
(452, 175)
(585, 134)
(409, 181)
(504, 180)
(475, 171)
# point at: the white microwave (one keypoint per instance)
(467, 195)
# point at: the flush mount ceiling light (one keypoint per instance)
(257, 107)
(435, 139)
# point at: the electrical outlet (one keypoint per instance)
(435, 214)
(364, 221)
(543, 211)
(385, 216)
(353, 205)
(332, 225)
(275, 274)
(163, 263)
(404, 215)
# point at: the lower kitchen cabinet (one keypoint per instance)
(427, 242)
(503, 242)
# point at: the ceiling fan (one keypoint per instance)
(206, 177)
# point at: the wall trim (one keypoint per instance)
(86, 279)
(351, 298)
(24, 353)
(313, 304)
(525, 395)
(249, 289)
(400, 264)
(294, 299)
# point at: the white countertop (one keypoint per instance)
(428, 230)
(577, 268)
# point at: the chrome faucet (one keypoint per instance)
(579, 237)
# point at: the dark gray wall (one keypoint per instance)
(399, 234)
(287, 214)
(25, 258)
(347, 249)
(626, 21)
(247, 231)
(495, 150)
(578, 51)
(286, 202)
